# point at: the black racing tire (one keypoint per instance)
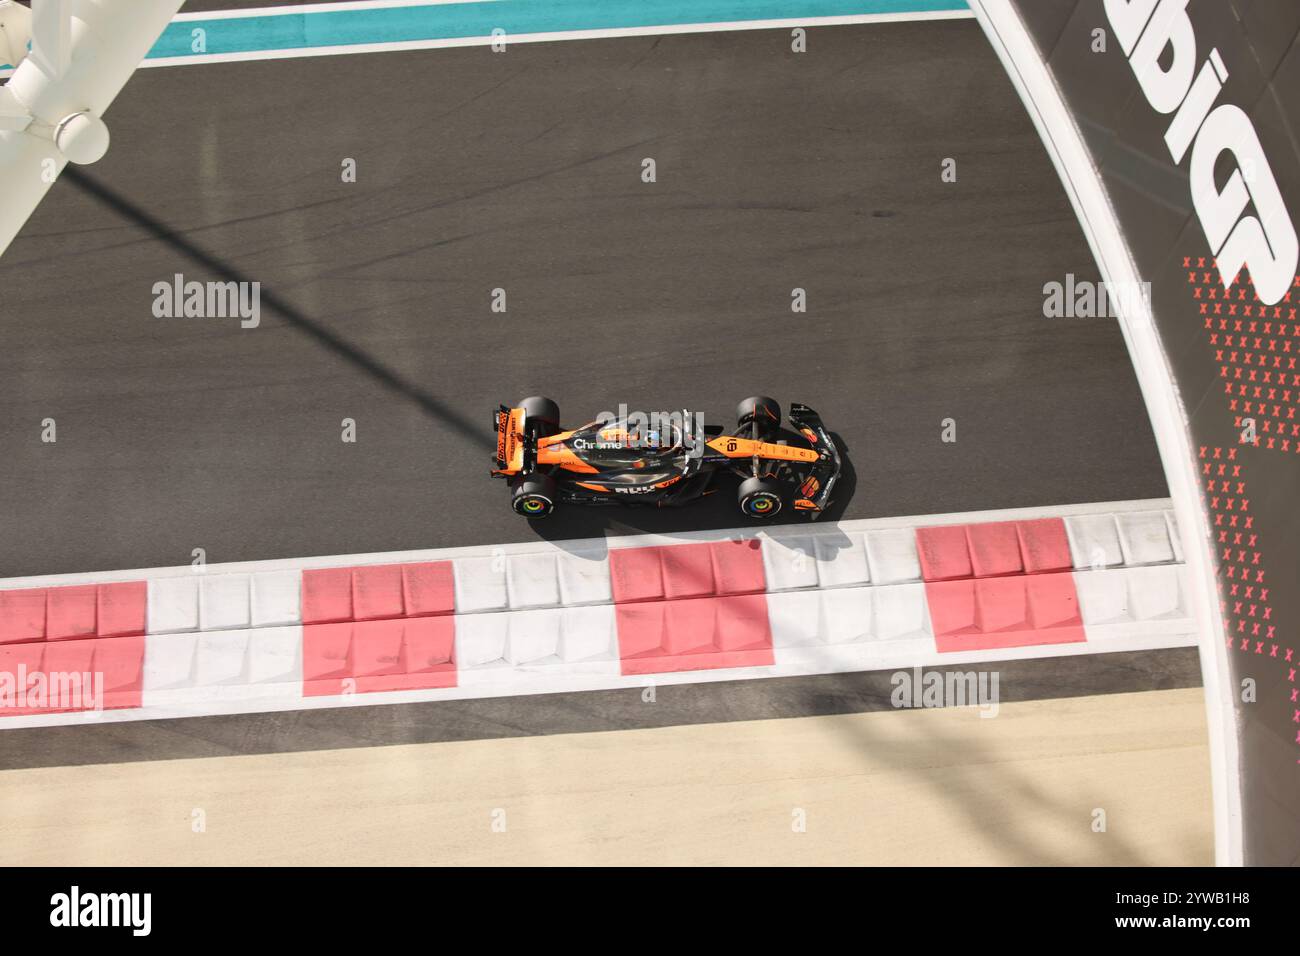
(760, 497)
(760, 410)
(534, 497)
(542, 414)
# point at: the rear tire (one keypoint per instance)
(760, 497)
(541, 414)
(534, 496)
(761, 411)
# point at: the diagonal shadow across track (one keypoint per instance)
(298, 319)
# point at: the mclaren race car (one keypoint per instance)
(664, 458)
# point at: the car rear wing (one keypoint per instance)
(815, 491)
(509, 426)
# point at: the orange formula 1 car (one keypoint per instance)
(664, 458)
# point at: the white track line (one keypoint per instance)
(341, 7)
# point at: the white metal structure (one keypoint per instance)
(51, 112)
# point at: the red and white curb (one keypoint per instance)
(596, 613)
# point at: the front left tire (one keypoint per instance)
(761, 414)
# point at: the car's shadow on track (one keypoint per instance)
(715, 512)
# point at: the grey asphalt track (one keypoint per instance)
(522, 170)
